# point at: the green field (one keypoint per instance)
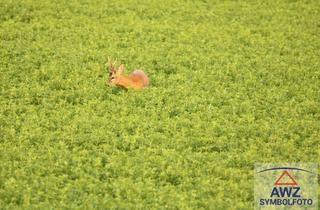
(233, 83)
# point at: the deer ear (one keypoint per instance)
(120, 69)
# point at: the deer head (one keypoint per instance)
(114, 73)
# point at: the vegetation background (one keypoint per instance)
(233, 83)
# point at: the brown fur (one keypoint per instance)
(137, 80)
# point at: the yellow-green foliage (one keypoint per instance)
(232, 83)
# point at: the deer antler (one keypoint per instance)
(111, 65)
(114, 63)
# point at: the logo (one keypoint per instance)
(285, 173)
(289, 186)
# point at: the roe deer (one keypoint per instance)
(136, 80)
